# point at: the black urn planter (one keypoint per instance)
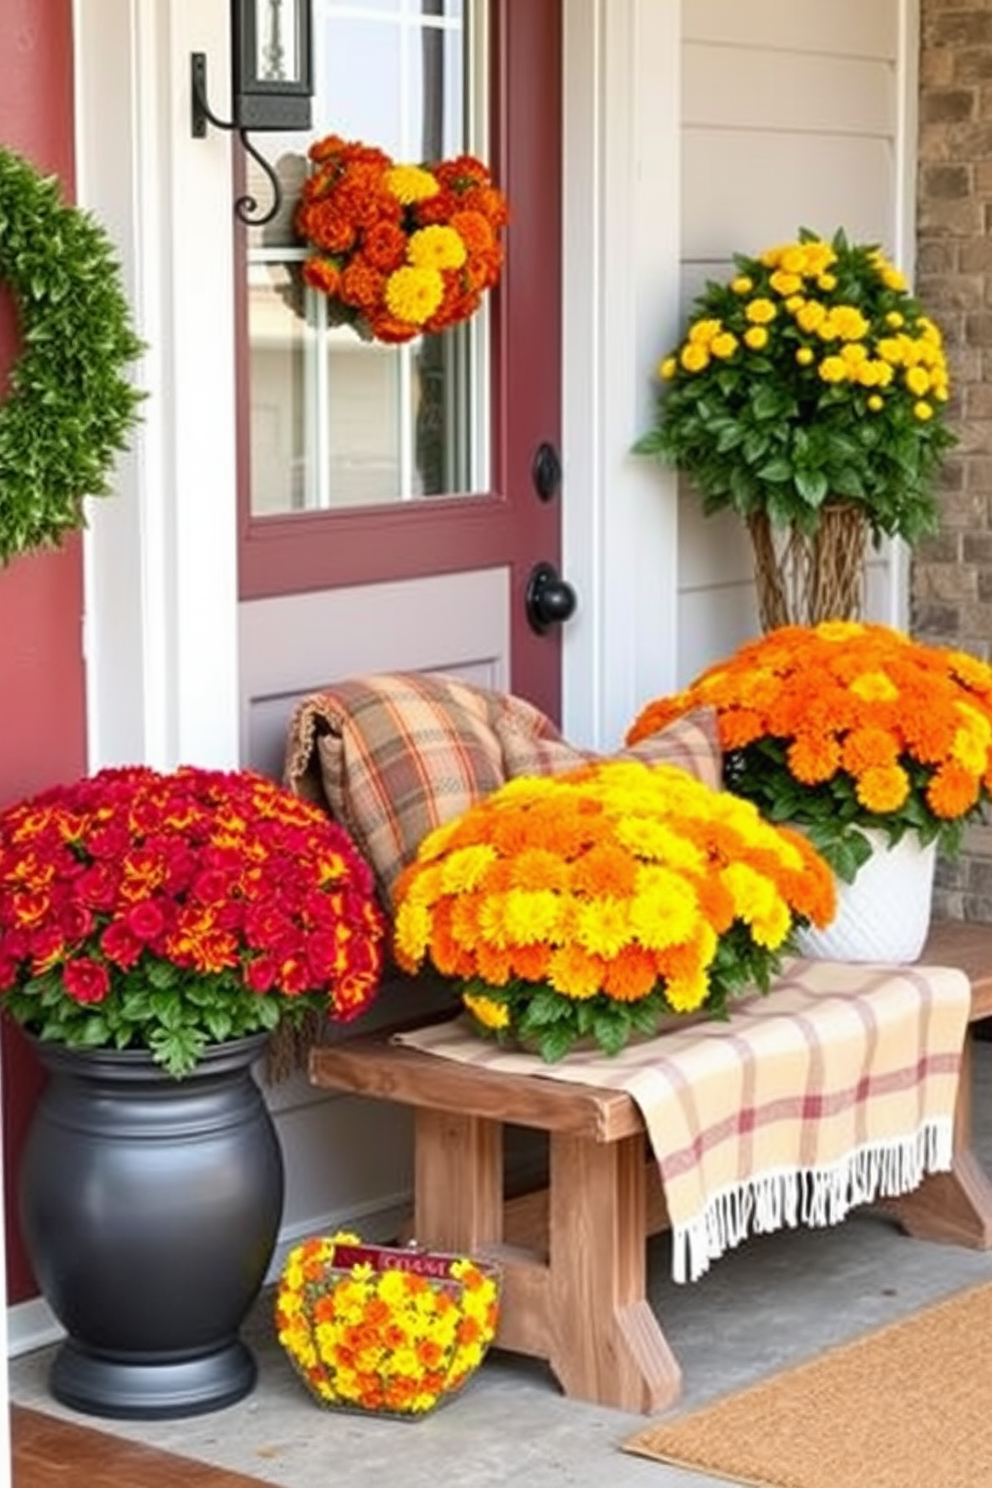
(150, 1207)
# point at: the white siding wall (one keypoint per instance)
(794, 115)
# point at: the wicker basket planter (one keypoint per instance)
(803, 579)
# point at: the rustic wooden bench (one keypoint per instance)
(574, 1254)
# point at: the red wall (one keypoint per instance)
(42, 707)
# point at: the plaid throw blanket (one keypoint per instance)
(835, 1089)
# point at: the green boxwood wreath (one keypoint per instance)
(69, 406)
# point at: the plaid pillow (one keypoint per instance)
(393, 756)
(692, 741)
(397, 754)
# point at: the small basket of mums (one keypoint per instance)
(384, 1330)
(590, 907)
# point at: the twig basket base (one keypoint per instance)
(805, 579)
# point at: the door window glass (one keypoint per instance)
(337, 422)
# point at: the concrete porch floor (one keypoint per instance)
(777, 1300)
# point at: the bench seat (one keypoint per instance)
(574, 1255)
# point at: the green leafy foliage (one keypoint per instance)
(831, 815)
(812, 375)
(176, 1022)
(69, 406)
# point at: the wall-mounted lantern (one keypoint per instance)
(271, 83)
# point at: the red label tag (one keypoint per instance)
(385, 1258)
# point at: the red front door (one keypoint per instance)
(515, 520)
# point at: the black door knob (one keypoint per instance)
(549, 599)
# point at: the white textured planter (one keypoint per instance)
(885, 914)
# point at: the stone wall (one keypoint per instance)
(951, 591)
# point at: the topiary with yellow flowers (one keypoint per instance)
(809, 393)
(813, 374)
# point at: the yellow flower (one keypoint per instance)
(664, 910)
(603, 926)
(785, 284)
(875, 403)
(810, 316)
(846, 322)
(923, 411)
(436, 247)
(414, 294)
(874, 687)
(531, 916)
(465, 868)
(694, 358)
(668, 367)
(884, 789)
(805, 355)
(917, 379)
(742, 284)
(702, 332)
(724, 345)
(492, 1014)
(411, 183)
(412, 928)
(686, 994)
(756, 337)
(760, 311)
(833, 369)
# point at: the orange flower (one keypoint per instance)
(361, 284)
(531, 962)
(631, 974)
(813, 759)
(864, 748)
(952, 791)
(606, 871)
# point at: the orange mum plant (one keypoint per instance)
(590, 905)
(843, 726)
(399, 249)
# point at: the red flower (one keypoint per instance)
(146, 921)
(86, 981)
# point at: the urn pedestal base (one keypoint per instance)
(126, 1390)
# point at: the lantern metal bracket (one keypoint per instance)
(246, 207)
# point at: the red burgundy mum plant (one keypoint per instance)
(170, 912)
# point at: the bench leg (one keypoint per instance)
(955, 1207)
(607, 1346)
(458, 1181)
(582, 1307)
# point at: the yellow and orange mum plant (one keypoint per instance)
(845, 725)
(380, 1329)
(399, 249)
(590, 905)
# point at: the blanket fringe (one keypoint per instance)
(815, 1197)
